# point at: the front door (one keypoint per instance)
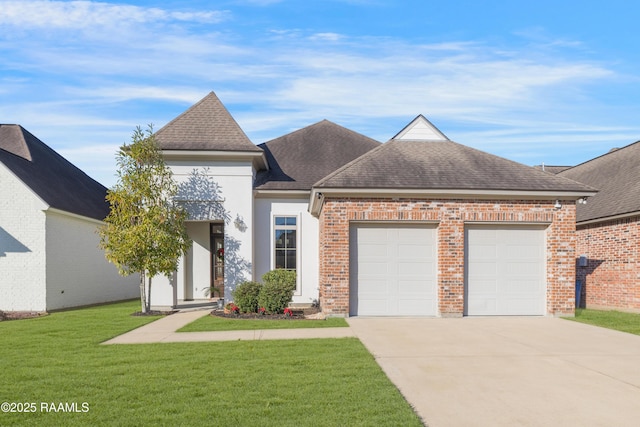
(217, 260)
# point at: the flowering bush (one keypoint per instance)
(262, 311)
(232, 308)
(288, 312)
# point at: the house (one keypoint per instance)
(49, 213)
(419, 225)
(608, 230)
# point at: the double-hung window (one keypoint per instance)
(285, 242)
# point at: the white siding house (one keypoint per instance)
(245, 201)
(49, 215)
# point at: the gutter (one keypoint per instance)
(318, 195)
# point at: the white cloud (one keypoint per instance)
(92, 15)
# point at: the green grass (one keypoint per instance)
(212, 323)
(58, 359)
(625, 322)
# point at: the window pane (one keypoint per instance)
(291, 260)
(290, 220)
(280, 220)
(280, 259)
(290, 239)
(280, 236)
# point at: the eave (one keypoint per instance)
(257, 158)
(318, 195)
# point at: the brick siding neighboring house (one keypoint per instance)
(419, 225)
(608, 230)
(49, 214)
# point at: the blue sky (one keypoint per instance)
(533, 81)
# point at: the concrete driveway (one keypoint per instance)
(508, 371)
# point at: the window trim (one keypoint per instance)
(272, 246)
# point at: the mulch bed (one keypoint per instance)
(18, 315)
(297, 314)
(154, 313)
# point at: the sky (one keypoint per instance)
(554, 82)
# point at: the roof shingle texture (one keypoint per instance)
(617, 177)
(54, 179)
(442, 165)
(301, 158)
(207, 125)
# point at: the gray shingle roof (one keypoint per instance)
(442, 165)
(56, 181)
(617, 177)
(553, 169)
(207, 125)
(299, 159)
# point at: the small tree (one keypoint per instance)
(144, 232)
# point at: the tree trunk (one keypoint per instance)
(149, 296)
(143, 298)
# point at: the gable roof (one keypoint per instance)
(207, 125)
(617, 176)
(299, 159)
(421, 129)
(444, 167)
(50, 176)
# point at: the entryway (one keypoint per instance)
(200, 275)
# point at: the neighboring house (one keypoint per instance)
(419, 225)
(49, 214)
(608, 230)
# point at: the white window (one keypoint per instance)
(285, 242)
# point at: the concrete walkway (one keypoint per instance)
(164, 330)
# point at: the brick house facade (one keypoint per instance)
(608, 231)
(451, 216)
(611, 278)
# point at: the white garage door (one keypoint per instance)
(393, 270)
(505, 270)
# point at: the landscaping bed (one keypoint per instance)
(296, 313)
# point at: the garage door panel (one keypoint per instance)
(485, 305)
(522, 286)
(479, 268)
(523, 269)
(516, 272)
(374, 250)
(407, 269)
(373, 268)
(413, 250)
(416, 269)
(479, 252)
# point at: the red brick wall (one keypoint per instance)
(612, 277)
(451, 214)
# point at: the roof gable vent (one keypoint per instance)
(420, 129)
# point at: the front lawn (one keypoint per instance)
(213, 323)
(625, 322)
(56, 363)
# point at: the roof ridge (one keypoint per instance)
(611, 151)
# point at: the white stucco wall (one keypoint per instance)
(222, 190)
(77, 270)
(22, 246)
(308, 238)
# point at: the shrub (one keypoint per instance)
(281, 277)
(277, 291)
(246, 296)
